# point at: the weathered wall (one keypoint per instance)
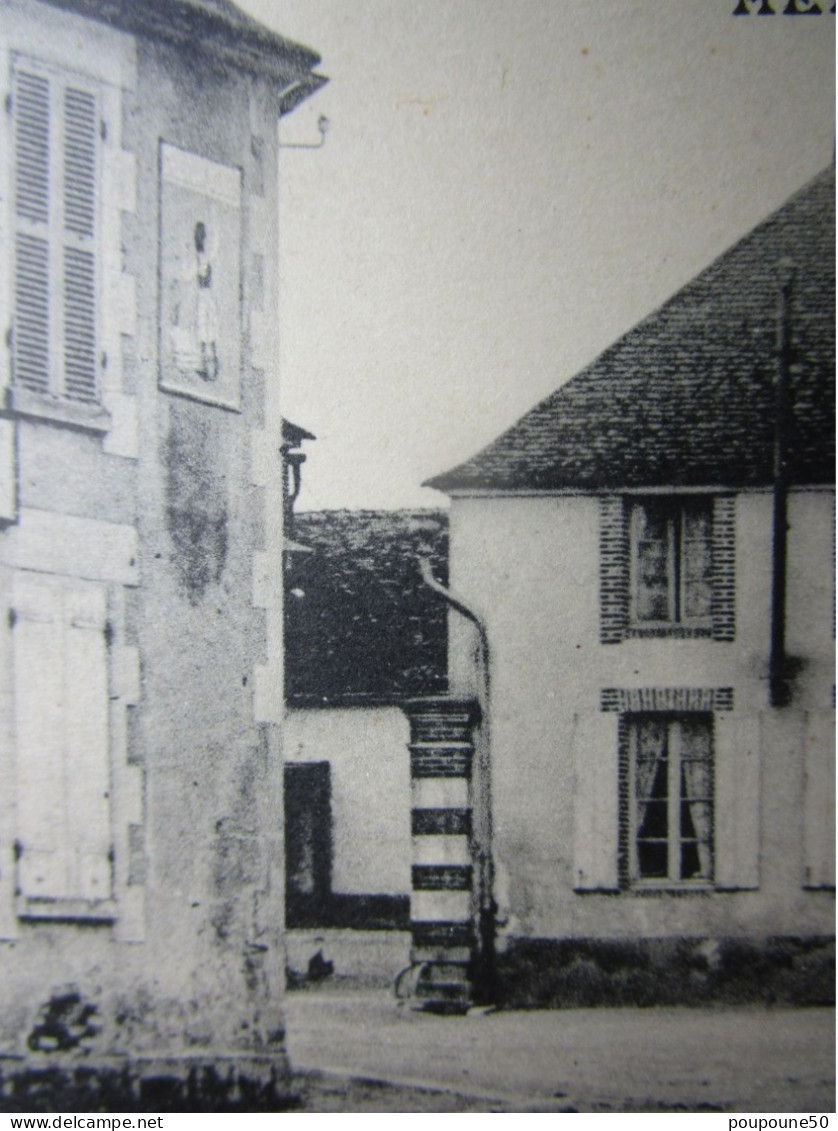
(370, 773)
(530, 568)
(182, 502)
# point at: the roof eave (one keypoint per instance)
(483, 491)
(298, 92)
(250, 47)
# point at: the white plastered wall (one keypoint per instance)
(530, 567)
(370, 778)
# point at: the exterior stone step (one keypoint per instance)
(441, 761)
(440, 954)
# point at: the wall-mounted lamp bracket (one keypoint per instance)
(323, 124)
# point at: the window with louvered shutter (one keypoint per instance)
(56, 150)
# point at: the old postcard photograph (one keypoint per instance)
(417, 557)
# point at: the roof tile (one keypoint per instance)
(361, 627)
(686, 397)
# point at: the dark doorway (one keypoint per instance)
(308, 844)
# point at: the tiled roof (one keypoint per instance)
(216, 26)
(361, 627)
(686, 397)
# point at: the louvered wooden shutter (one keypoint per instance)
(78, 239)
(61, 731)
(32, 205)
(56, 132)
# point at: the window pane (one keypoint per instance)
(652, 563)
(651, 521)
(653, 605)
(651, 779)
(697, 561)
(698, 523)
(690, 866)
(652, 859)
(652, 737)
(696, 860)
(695, 820)
(698, 597)
(696, 781)
(652, 532)
(650, 774)
(696, 791)
(695, 737)
(652, 819)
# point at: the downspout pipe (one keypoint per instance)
(779, 689)
(485, 974)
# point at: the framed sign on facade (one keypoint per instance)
(200, 278)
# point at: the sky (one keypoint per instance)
(506, 187)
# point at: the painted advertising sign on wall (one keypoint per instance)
(200, 277)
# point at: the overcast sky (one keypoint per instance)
(506, 187)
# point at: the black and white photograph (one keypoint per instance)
(417, 559)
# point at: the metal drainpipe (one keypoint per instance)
(485, 974)
(779, 689)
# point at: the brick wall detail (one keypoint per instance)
(613, 570)
(634, 699)
(724, 563)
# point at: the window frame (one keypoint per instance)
(672, 509)
(614, 570)
(631, 878)
(56, 401)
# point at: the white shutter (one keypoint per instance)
(736, 801)
(32, 208)
(56, 131)
(86, 742)
(595, 802)
(61, 721)
(819, 801)
(43, 867)
(80, 122)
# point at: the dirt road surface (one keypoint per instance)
(735, 1059)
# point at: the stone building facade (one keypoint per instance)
(141, 865)
(651, 553)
